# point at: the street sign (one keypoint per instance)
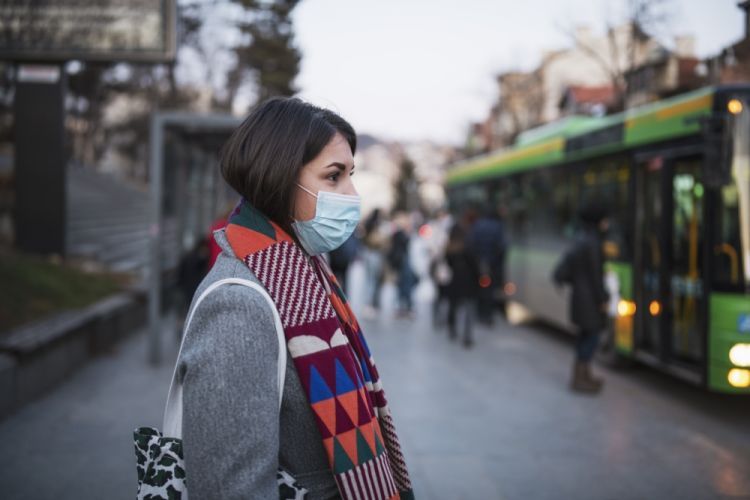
(105, 30)
(38, 74)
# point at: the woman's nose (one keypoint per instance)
(350, 189)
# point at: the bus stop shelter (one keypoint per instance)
(186, 189)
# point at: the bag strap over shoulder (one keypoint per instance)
(173, 412)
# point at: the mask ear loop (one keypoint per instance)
(303, 188)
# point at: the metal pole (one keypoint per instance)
(156, 154)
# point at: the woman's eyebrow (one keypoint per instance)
(336, 164)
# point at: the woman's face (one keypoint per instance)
(330, 171)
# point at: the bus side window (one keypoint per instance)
(609, 180)
(726, 256)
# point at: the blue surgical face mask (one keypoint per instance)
(336, 218)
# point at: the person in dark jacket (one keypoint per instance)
(374, 243)
(341, 258)
(581, 267)
(400, 262)
(487, 238)
(463, 288)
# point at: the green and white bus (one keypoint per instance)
(676, 176)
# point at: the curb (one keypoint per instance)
(37, 357)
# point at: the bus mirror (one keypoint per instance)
(717, 135)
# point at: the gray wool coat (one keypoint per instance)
(234, 436)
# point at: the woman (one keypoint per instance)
(292, 163)
(400, 262)
(582, 267)
(374, 246)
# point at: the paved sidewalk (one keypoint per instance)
(76, 443)
(492, 422)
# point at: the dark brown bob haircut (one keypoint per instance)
(263, 157)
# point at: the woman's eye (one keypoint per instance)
(334, 177)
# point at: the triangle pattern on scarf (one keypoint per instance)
(319, 390)
(364, 453)
(341, 461)
(369, 434)
(343, 422)
(344, 383)
(325, 411)
(344, 405)
(364, 412)
(348, 401)
(366, 398)
(348, 441)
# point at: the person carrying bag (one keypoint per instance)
(160, 463)
(291, 163)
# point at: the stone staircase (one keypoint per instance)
(109, 220)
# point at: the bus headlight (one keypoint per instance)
(625, 308)
(739, 354)
(739, 378)
(734, 106)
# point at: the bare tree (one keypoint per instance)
(644, 20)
(520, 106)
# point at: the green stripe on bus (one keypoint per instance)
(670, 118)
(667, 119)
(723, 334)
(508, 162)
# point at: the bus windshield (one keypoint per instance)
(732, 250)
(741, 177)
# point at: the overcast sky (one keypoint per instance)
(423, 69)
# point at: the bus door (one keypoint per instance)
(688, 297)
(670, 291)
(650, 278)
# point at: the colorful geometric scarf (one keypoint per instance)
(331, 356)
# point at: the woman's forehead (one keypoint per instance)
(337, 148)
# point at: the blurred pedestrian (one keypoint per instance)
(440, 272)
(341, 258)
(582, 268)
(487, 239)
(375, 241)
(400, 262)
(291, 162)
(463, 288)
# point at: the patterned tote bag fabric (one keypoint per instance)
(159, 460)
